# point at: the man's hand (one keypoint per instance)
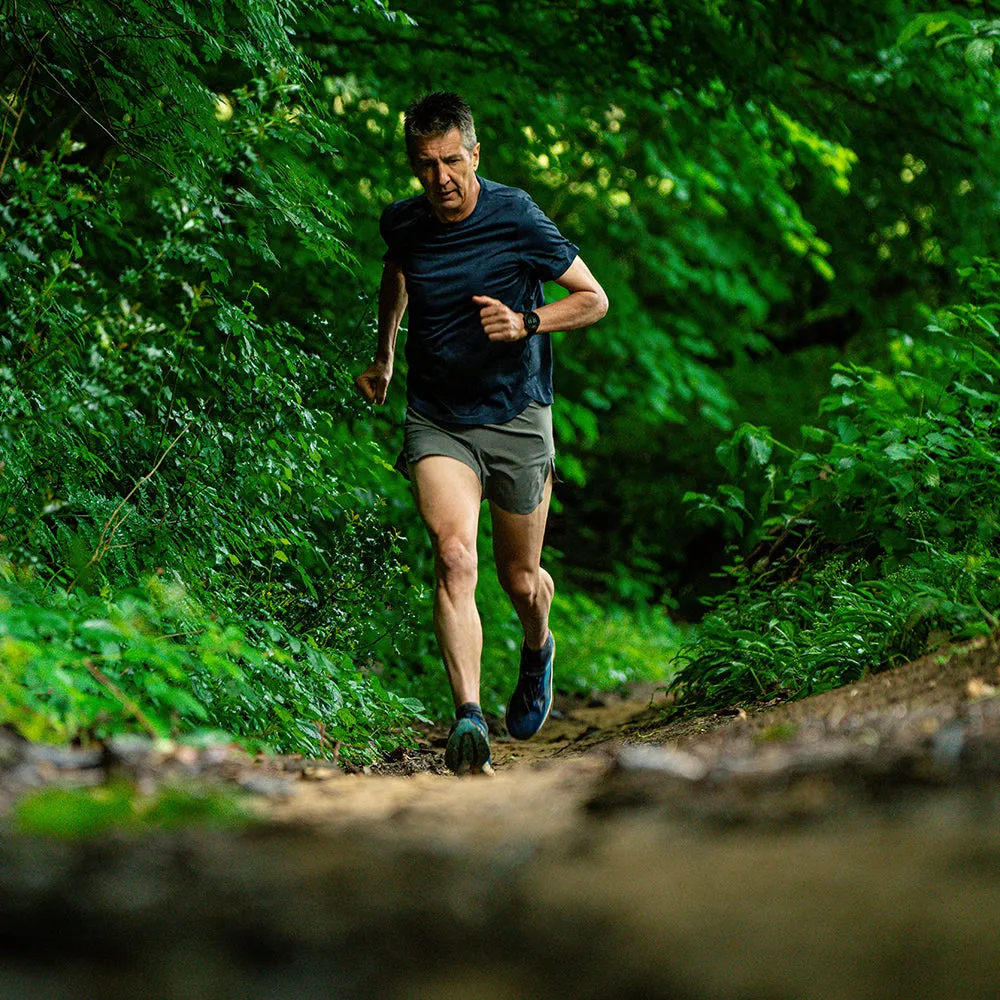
(499, 322)
(373, 382)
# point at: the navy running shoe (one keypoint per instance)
(468, 749)
(532, 698)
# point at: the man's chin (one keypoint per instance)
(448, 204)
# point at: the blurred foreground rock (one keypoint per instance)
(897, 902)
(841, 848)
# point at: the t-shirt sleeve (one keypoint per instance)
(388, 227)
(545, 250)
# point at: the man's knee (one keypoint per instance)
(456, 562)
(520, 584)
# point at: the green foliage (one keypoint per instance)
(78, 814)
(880, 539)
(609, 647)
(761, 188)
(209, 99)
(977, 37)
(189, 536)
(174, 435)
(189, 199)
(76, 667)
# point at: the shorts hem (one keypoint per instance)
(550, 469)
(512, 461)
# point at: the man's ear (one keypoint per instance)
(475, 157)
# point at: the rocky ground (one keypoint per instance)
(844, 846)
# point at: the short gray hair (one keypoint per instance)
(436, 114)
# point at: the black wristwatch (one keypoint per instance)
(531, 322)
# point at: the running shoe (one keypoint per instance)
(468, 749)
(532, 698)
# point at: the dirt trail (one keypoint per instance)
(539, 786)
(846, 846)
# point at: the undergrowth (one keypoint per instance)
(876, 541)
(151, 659)
(190, 535)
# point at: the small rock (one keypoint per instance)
(216, 754)
(186, 756)
(675, 763)
(64, 758)
(978, 688)
(267, 785)
(947, 745)
(131, 750)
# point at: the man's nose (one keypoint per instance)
(442, 175)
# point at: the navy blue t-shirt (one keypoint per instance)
(505, 249)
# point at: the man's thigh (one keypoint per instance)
(517, 458)
(518, 538)
(448, 495)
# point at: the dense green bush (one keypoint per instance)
(164, 438)
(190, 532)
(86, 667)
(880, 539)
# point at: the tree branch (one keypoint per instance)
(875, 106)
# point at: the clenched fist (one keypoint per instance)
(499, 322)
(373, 382)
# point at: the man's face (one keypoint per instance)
(447, 172)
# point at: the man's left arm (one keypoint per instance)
(585, 304)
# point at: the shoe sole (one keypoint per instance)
(468, 750)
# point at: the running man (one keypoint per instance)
(468, 258)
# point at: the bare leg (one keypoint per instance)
(449, 495)
(517, 549)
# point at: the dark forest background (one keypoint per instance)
(779, 450)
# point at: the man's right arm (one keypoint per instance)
(373, 383)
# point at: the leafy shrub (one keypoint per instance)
(78, 667)
(170, 462)
(881, 537)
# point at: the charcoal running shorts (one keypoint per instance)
(512, 460)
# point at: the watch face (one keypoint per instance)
(531, 321)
